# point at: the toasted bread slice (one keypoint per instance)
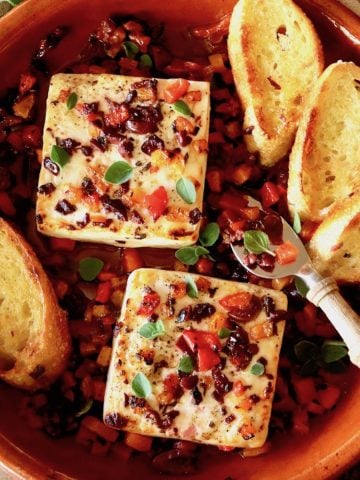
(334, 248)
(34, 335)
(324, 163)
(276, 57)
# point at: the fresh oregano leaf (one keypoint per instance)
(301, 286)
(71, 101)
(305, 350)
(59, 156)
(186, 364)
(199, 251)
(119, 172)
(257, 242)
(224, 332)
(146, 61)
(90, 267)
(141, 386)
(257, 369)
(210, 234)
(152, 330)
(181, 107)
(332, 351)
(131, 49)
(85, 408)
(191, 288)
(187, 255)
(297, 223)
(186, 190)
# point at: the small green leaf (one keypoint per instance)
(85, 408)
(152, 330)
(210, 235)
(257, 242)
(186, 189)
(297, 223)
(71, 101)
(305, 350)
(257, 369)
(14, 3)
(146, 61)
(199, 251)
(186, 364)
(301, 286)
(90, 267)
(224, 332)
(191, 288)
(141, 386)
(332, 351)
(187, 255)
(131, 49)
(118, 173)
(181, 107)
(59, 155)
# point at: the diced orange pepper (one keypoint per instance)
(239, 388)
(263, 330)
(96, 426)
(241, 174)
(132, 260)
(286, 253)
(247, 431)
(138, 442)
(176, 90)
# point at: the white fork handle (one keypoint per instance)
(325, 294)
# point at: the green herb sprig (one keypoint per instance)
(329, 355)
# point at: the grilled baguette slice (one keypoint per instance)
(34, 335)
(324, 163)
(334, 248)
(276, 57)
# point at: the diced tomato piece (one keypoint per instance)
(32, 135)
(204, 266)
(172, 387)
(6, 205)
(232, 201)
(207, 359)
(215, 179)
(305, 389)
(240, 300)
(198, 339)
(156, 202)
(64, 244)
(239, 388)
(99, 390)
(286, 253)
(175, 90)
(329, 397)
(269, 194)
(27, 81)
(117, 115)
(105, 276)
(300, 421)
(149, 303)
(315, 408)
(103, 292)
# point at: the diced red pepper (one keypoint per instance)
(286, 253)
(6, 205)
(233, 201)
(175, 90)
(117, 115)
(269, 194)
(207, 359)
(199, 339)
(149, 303)
(63, 244)
(240, 300)
(32, 135)
(305, 389)
(27, 81)
(103, 292)
(156, 202)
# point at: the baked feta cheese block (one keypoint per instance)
(124, 160)
(195, 358)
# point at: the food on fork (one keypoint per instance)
(195, 358)
(276, 57)
(34, 337)
(124, 160)
(324, 166)
(334, 248)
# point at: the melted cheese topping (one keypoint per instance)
(98, 145)
(241, 418)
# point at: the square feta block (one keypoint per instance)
(123, 162)
(195, 358)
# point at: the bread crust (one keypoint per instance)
(316, 156)
(271, 77)
(45, 355)
(334, 248)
